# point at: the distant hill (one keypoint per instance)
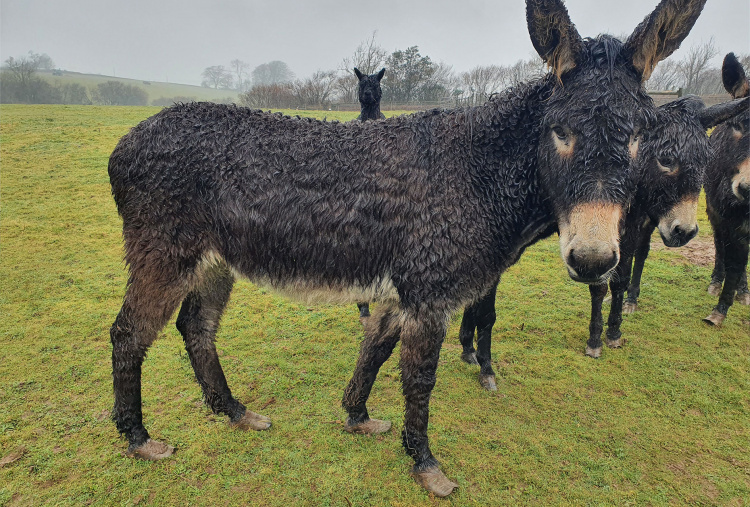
(155, 89)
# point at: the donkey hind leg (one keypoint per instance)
(596, 324)
(151, 298)
(422, 336)
(466, 334)
(485, 319)
(382, 332)
(198, 321)
(743, 294)
(364, 310)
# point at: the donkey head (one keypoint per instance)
(590, 132)
(674, 156)
(369, 87)
(733, 139)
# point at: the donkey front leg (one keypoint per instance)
(718, 274)
(596, 323)
(735, 262)
(466, 334)
(617, 287)
(382, 332)
(422, 336)
(198, 321)
(641, 254)
(485, 318)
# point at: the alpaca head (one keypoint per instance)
(369, 88)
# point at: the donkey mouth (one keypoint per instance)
(591, 279)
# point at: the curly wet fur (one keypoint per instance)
(422, 211)
(729, 215)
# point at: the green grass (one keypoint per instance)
(663, 421)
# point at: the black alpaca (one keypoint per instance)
(369, 100)
(672, 159)
(728, 198)
(369, 95)
(421, 212)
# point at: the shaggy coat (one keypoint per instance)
(422, 212)
(672, 160)
(369, 99)
(728, 198)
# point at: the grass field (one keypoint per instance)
(663, 421)
(154, 89)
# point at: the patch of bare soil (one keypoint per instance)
(699, 251)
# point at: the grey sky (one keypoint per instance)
(175, 40)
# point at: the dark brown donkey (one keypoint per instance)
(673, 156)
(728, 198)
(380, 210)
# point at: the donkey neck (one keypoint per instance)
(370, 112)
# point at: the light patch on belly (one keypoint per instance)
(308, 292)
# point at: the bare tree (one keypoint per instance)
(695, 65)
(475, 86)
(667, 76)
(217, 76)
(315, 91)
(369, 58)
(240, 70)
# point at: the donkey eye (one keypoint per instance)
(667, 164)
(560, 132)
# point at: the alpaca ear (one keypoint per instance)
(661, 33)
(712, 116)
(358, 73)
(381, 74)
(733, 77)
(554, 36)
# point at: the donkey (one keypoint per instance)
(369, 99)
(386, 210)
(728, 198)
(672, 159)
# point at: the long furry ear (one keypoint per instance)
(554, 36)
(712, 116)
(358, 73)
(661, 33)
(733, 77)
(381, 74)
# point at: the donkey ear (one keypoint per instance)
(358, 73)
(381, 74)
(661, 33)
(554, 36)
(733, 77)
(712, 116)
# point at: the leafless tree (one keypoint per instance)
(217, 76)
(240, 71)
(274, 72)
(369, 58)
(696, 64)
(315, 91)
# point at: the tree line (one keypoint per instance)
(411, 78)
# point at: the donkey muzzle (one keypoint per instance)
(590, 241)
(680, 224)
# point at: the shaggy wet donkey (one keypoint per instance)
(672, 159)
(369, 100)
(728, 199)
(422, 212)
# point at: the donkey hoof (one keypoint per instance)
(152, 450)
(488, 382)
(469, 357)
(629, 307)
(614, 344)
(251, 421)
(714, 289)
(596, 353)
(742, 298)
(715, 319)
(369, 427)
(434, 481)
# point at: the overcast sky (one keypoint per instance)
(175, 40)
